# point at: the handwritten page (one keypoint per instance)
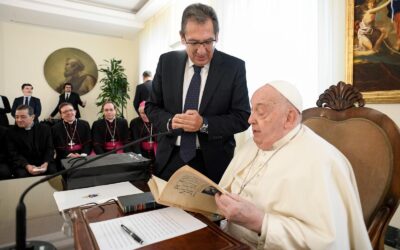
(152, 226)
(77, 197)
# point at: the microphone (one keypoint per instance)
(21, 243)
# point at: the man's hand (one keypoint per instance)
(240, 211)
(34, 170)
(44, 167)
(73, 155)
(30, 168)
(190, 121)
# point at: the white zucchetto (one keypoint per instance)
(289, 91)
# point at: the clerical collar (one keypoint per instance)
(286, 138)
(30, 126)
(110, 121)
(70, 123)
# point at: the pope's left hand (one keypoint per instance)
(240, 211)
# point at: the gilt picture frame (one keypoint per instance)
(372, 50)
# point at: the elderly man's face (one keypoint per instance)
(23, 119)
(268, 116)
(199, 40)
(71, 67)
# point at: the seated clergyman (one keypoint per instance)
(110, 132)
(289, 188)
(141, 127)
(30, 145)
(5, 171)
(71, 136)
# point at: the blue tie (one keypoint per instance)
(188, 140)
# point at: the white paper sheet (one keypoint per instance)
(98, 194)
(152, 226)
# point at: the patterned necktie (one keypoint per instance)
(188, 140)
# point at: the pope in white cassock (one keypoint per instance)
(289, 188)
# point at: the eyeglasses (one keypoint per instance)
(67, 111)
(196, 44)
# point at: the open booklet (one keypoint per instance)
(187, 189)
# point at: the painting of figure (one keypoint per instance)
(73, 66)
(375, 58)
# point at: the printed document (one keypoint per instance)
(152, 226)
(98, 194)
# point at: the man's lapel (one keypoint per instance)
(213, 79)
(177, 77)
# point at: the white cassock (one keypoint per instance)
(307, 190)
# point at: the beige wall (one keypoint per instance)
(24, 49)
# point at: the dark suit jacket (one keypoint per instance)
(225, 104)
(34, 103)
(74, 99)
(142, 94)
(23, 153)
(4, 111)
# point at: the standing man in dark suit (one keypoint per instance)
(143, 90)
(222, 109)
(4, 109)
(70, 97)
(27, 99)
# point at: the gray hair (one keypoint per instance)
(200, 13)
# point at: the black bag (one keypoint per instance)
(112, 168)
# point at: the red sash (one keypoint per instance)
(109, 145)
(149, 146)
(75, 147)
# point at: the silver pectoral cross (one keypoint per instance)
(71, 143)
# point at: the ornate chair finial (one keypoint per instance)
(340, 97)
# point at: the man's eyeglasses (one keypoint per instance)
(196, 44)
(67, 111)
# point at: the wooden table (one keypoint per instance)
(210, 237)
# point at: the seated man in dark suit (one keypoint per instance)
(5, 172)
(27, 99)
(110, 132)
(70, 97)
(4, 109)
(30, 145)
(71, 136)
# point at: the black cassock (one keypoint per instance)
(67, 141)
(115, 133)
(138, 129)
(34, 147)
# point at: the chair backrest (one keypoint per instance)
(371, 142)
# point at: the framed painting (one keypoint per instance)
(373, 49)
(73, 66)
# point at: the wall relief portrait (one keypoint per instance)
(71, 65)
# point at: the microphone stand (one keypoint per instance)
(21, 209)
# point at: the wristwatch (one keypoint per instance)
(204, 127)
